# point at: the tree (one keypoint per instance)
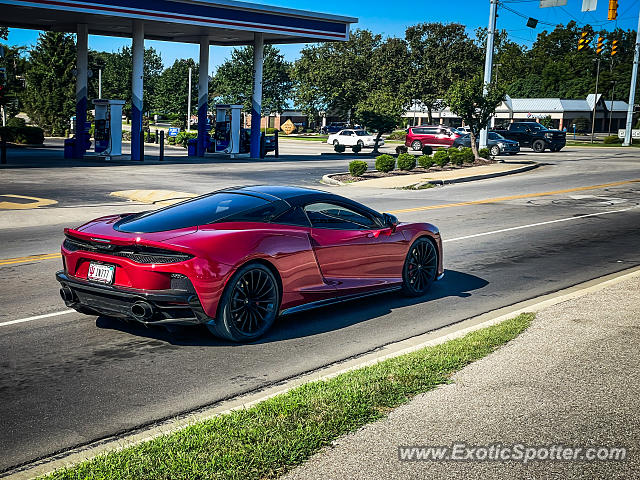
(465, 98)
(116, 75)
(381, 111)
(4, 33)
(173, 85)
(439, 54)
(15, 64)
(233, 81)
(49, 98)
(336, 76)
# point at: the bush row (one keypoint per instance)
(23, 135)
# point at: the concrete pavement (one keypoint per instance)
(572, 379)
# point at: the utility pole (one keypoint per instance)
(488, 62)
(613, 93)
(595, 101)
(100, 83)
(189, 104)
(632, 91)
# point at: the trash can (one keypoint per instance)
(192, 147)
(69, 145)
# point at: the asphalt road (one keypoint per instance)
(69, 379)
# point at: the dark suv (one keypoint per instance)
(534, 135)
(432, 135)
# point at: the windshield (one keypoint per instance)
(199, 211)
(362, 133)
(537, 126)
(495, 136)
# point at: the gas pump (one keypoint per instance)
(108, 127)
(227, 129)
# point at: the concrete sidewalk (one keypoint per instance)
(572, 379)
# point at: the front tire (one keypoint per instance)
(416, 145)
(249, 304)
(360, 143)
(336, 142)
(495, 151)
(538, 146)
(420, 268)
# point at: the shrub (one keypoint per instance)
(149, 137)
(484, 153)
(427, 150)
(441, 157)
(171, 140)
(397, 135)
(339, 148)
(271, 131)
(456, 157)
(356, 148)
(406, 162)
(16, 122)
(611, 139)
(23, 135)
(357, 168)
(468, 156)
(400, 149)
(385, 163)
(425, 161)
(177, 123)
(184, 137)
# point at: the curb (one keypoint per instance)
(328, 180)
(384, 352)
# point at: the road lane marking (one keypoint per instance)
(515, 197)
(531, 225)
(37, 317)
(34, 203)
(30, 258)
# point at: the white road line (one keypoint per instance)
(537, 224)
(37, 317)
(65, 312)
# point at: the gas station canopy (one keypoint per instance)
(187, 21)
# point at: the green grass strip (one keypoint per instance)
(272, 437)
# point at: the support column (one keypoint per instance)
(203, 96)
(82, 63)
(137, 51)
(256, 101)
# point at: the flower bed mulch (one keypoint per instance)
(370, 175)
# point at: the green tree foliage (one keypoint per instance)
(4, 33)
(15, 64)
(440, 54)
(116, 75)
(466, 99)
(336, 76)
(233, 81)
(49, 98)
(173, 85)
(380, 111)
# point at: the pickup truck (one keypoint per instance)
(535, 136)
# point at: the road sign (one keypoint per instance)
(173, 132)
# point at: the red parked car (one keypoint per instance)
(432, 135)
(235, 259)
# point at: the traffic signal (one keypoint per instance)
(614, 47)
(613, 9)
(600, 46)
(584, 40)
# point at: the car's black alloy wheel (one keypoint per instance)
(249, 304)
(420, 267)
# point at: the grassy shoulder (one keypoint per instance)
(274, 436)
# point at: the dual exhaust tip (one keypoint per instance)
(141, 310)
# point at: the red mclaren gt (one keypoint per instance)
(237, 258)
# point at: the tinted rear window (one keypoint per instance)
(208, 209)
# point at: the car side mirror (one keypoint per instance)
(390, 221)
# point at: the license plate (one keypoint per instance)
(101, 273)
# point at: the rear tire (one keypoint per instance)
(420, 268)
(336, 142)
(416, 146)
(249, 304)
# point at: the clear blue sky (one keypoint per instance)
(392, 18)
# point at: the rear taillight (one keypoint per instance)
(135, 253)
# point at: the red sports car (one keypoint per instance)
(237, 258)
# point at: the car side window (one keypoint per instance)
(518, 128)
(330, 215)
(346, 133)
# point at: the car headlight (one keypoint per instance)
(548, 134)
(501, 145)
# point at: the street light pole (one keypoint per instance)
(632, 91)
(595, 101)
(100, 83)
(488, 62)
(613, 93)
(189, 104)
